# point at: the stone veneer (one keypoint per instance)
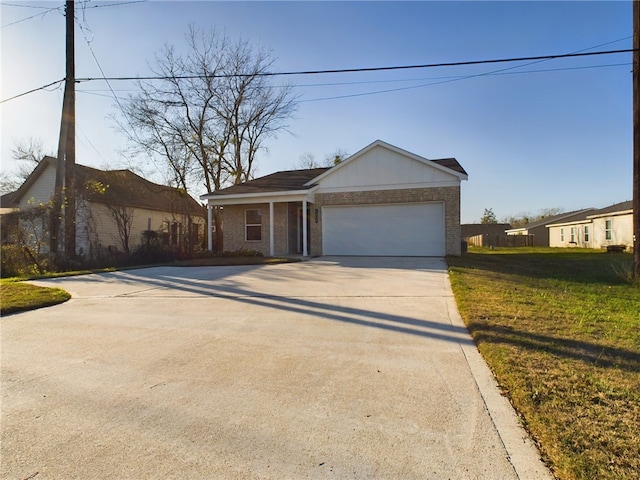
(449, 195)
(233, 217)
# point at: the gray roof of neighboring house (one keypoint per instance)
(123, 188)
(618, 207)
(8, 200)
(561, 217)
(291, 180)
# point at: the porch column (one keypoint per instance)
(304, 229)
(209, 222)
(271, 229)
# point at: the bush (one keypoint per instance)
(19, 261)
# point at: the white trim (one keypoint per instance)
(372, 188)
(271, 233)
(612, 214)
(209, 233)
(239, 199)
(400, 151)
(305, 246)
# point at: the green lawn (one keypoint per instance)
(560, 329)
(19, 297)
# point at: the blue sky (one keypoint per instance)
(559, 138)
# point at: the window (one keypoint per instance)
(573, 235)
(252, 225)
(175, 231)
(586, 233)
(607, 230)
(562, 234)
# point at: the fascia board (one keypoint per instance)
(612, 214)
(263, 197)
(371, 188)
(564, 224)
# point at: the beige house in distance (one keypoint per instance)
(101, 197)
(609, 226)
(381, 201)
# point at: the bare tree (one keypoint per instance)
(308, 160)
(208, 117)
(28, 153)
(123, 217)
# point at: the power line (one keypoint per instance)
(364, 69)
(349, 70)
(41, 14)
(112, 4)
(34, 90)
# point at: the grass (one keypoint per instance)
(561, 331)
(18, 296)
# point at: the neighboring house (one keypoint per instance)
(539, 228)
(8, 223)
(109, 203)
(608, 226)
(381, 201)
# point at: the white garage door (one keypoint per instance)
(412, 230)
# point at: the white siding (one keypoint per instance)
(621, 231)
(556, 240)
(42, 189)
(100, 229)
(384, 168)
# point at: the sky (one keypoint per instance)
(531, 135)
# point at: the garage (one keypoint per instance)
(408, 229)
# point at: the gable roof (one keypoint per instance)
(449, 165)
(288, 180)
(618, 208)
(567, 217)
(8, 200)
(122, 188)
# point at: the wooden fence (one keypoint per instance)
(486, 240)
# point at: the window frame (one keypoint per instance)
(586, 234)
(252, 226)
(608, 229)
(572, 232)
(562, 234)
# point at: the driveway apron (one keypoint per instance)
(335, 367)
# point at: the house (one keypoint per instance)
(612, 225)
(381, 201)
(539, 230)
(115, 209)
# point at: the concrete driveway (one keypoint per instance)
(330, 368)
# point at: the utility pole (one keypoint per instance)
(636, 140)
(70, 148)
(64, 239)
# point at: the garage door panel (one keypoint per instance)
(415, 229)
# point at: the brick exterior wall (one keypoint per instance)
(233, 217)
(234, 234)
(449, 195)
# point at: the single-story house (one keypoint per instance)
(539, 228)
(612, 225)
(108, 204)
(381, 201)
